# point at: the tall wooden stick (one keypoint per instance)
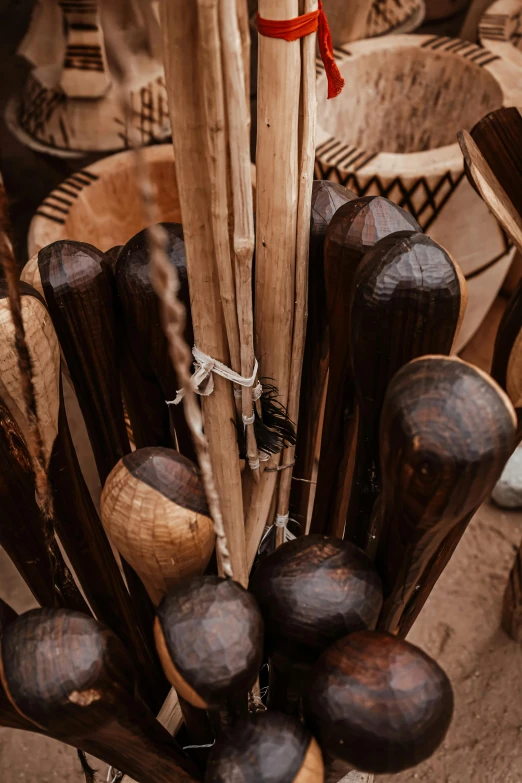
(243, 239)
(183, 75)
(216, 148)
(306, 173)
(276, 215)
(244, 32)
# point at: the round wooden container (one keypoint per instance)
(500, 30)
(392, 132)
(100, 204)
(442, 9)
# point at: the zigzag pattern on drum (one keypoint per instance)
(423, 200)
(58, 203)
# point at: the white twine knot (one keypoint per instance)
(248, 419)
(205, 367)
(281, 521)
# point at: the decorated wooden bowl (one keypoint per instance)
(100, 204)
(392, 132)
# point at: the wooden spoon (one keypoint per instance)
(311, 591)
(408, 300)
(447, 430)
(327, 198)
(76, 280)
(489, 188)
(507, 372)
(8, 715)
(77, 522)
(209, 635)
(154, 509)
(498, 136)
(269, 746)
(72, 677)
(354, 229)
(145, 338)
(22, 529)
(378, 703)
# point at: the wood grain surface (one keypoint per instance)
(311, 591)
(378, 702)
(154, 509)
(327, 198)
(507, 357)
(447, 430)
(213, 632)
(269, 746)
(77, 284)
(407, 302)
(145, 340)
(77, 522)
(22, 530)
(72, 677)
(355, 228)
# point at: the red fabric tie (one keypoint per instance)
(293, 29)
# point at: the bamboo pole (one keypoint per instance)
(244, 33)
(306, 174)
(279, 75)
(184, 83)
(243, 238)
(216, 148)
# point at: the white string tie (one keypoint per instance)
(202, 381)
(281, 520)
(248, 419)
